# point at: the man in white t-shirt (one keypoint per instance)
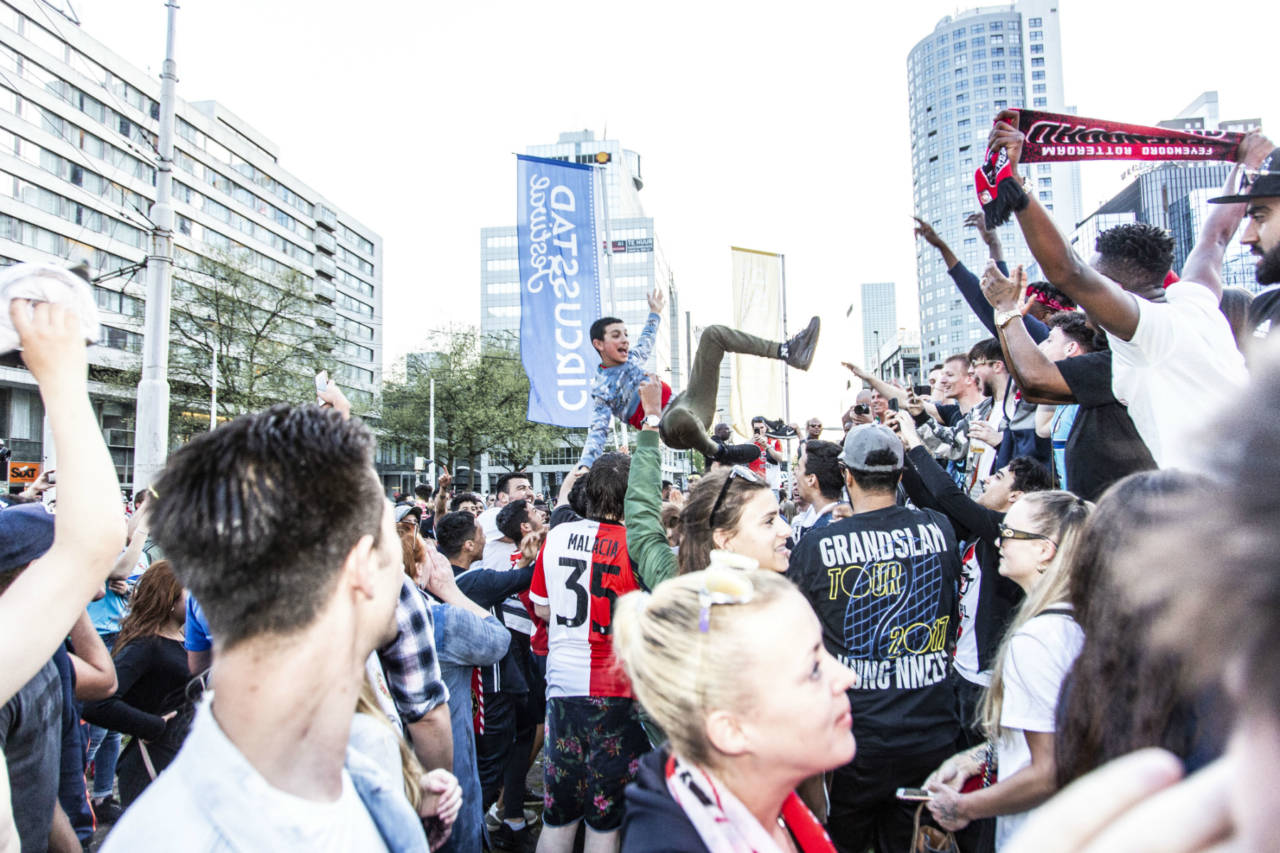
(1174, 359)
(299, 586)
(513, 486)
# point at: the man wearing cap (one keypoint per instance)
(884, 583)
(1169, 345)
(1259, 190)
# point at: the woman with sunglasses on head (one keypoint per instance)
(1037, 549)
(749, 713)
(730, 509)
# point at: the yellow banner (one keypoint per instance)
(757, 308)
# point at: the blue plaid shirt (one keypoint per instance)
(616, 391)
(409, 661)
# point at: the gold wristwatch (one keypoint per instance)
(1003, 317)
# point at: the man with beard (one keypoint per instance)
(1170, 346)
(1260, 190)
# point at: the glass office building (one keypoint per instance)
(971, 66)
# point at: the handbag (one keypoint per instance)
(931, 839)
(986, 775)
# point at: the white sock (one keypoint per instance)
(515, 825)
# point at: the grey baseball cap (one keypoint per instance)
(863, 440)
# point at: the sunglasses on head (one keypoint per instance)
(1248, 177)
(722, 587)
(1007, 532)
(737, 471)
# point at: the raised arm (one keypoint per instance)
(889, 392)
(597, 434)
(1106, 302)
(1037, 376)
(39, 608)
(644, 346)
(971, 520)
(646, 539)
(1204, 263)
(440, 504)
(925, 230)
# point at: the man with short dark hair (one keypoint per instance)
(987, 599)
(1102, 445)
(299, 577)
(819, 484)
(1170, 346)
(512, 690)
(511, 486)
(686, 417)
(884, 585)
(769, 451)
(593, 733)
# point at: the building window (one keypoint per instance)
(1041, 102)
(1046, 195)
(997, 39)
(1039, 88)
(1036, 35)
(1037, 48)
(1037, 75)
(1037, 62)
(997, 25)
(1035, 22)
(120, 303)
(121, 339)
(1046, 182)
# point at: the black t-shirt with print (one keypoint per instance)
(1264, 311)
(1104, 445)
(885, 587)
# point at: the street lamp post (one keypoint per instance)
(152, 425)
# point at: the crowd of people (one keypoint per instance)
(1029, 606)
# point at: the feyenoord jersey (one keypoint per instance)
(581, 571)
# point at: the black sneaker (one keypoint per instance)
(106, 810)
(779, 430)
(522, 840)
(799, 351)
(736, 454)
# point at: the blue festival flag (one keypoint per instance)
(559, 287)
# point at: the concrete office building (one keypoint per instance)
(879, 319)
(631, 266)
(78, 130)
(972, 65)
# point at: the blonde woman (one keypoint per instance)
(749, 713)
(1037, 543)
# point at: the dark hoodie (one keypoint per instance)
(654, 822)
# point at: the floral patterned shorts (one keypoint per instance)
(594, 744)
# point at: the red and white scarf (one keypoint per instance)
(726, 826)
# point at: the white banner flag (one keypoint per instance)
(757, 308)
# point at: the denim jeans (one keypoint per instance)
(104, 749)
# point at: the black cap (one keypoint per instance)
(1256, 183)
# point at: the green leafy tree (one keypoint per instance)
(482, 395)
(260, 325)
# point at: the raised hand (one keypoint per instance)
(979, 221)
(1001, 291)
(925, 230)
(52, 344)
(1006, 135)
(657, 300)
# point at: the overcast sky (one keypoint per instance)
(781, 127)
